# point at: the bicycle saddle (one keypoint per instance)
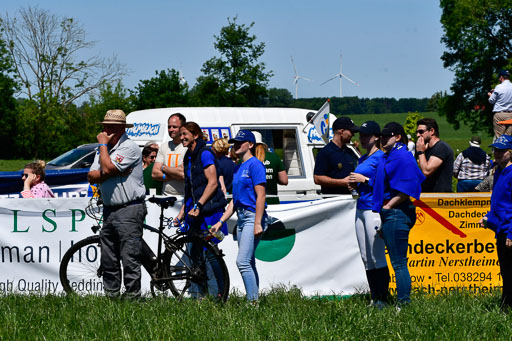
(163, 201)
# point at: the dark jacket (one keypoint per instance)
(196, 184)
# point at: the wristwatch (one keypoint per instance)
(419, 153)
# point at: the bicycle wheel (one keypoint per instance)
(193, 268)
(80, 270)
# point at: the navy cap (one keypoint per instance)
(503, 73)
(370, 128)
(503, 142)
(242, 136)
(345, 123)
(392, 129)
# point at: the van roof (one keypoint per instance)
(232, 115)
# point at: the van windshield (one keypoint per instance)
(69, 157)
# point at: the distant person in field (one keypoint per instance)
(501, 97)
(499, 218)
(471, 166)
(33, 181)
(411, 146)
(275, 171)
(435, 157)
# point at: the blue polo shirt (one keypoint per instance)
(246, 176)
(336, 163)
(368, 167)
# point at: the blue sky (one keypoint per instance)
(391, 47)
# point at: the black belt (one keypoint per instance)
(134, 202)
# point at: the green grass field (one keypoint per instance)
(12, 165)
(281, 315)
(457, 139)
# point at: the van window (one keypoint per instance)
(284, 143)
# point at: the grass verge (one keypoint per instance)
(282, 314)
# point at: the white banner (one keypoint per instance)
(311, 245)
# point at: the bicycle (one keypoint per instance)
(190, 266)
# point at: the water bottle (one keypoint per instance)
(355, 194)
(219, 235)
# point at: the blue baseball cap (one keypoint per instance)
(503, 142)
(242, 136)
(369, 128)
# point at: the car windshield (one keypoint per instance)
(69, 157)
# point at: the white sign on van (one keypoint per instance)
(314, 137)
(144, 129)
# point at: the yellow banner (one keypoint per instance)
(448, 250)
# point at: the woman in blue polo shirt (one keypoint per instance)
(249, 181)
(499, 218)
(371, 245)
(398, 178)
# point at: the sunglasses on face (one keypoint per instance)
(420, 131)
(152, 157)
(24, 175)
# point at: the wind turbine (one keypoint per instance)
(296, 79)
(341, 76)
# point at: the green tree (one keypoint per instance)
(46, 52)
(478, 38)
(109, 97)
(236, 78)
(8, 117)
(410, 124)
(164, 90)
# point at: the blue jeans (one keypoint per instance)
(396, 224)
(247, 243)
(467, 185)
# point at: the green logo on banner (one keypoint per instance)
(276, 243)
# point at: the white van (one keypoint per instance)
(285, 130)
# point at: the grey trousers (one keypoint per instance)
(121, 241)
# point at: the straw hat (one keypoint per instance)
(115, 116)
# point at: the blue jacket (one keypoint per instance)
(195, 184)
(500, 215)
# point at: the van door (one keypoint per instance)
(287, 142)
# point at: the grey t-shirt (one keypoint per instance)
(119, 190)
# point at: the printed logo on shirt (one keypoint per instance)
(119, 158)
(173, 160)
(245, 173)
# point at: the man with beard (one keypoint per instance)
(336, 161)
(435, 157)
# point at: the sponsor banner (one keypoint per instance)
(311, 245)
(448, 250)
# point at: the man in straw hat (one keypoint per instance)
(117, 168)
